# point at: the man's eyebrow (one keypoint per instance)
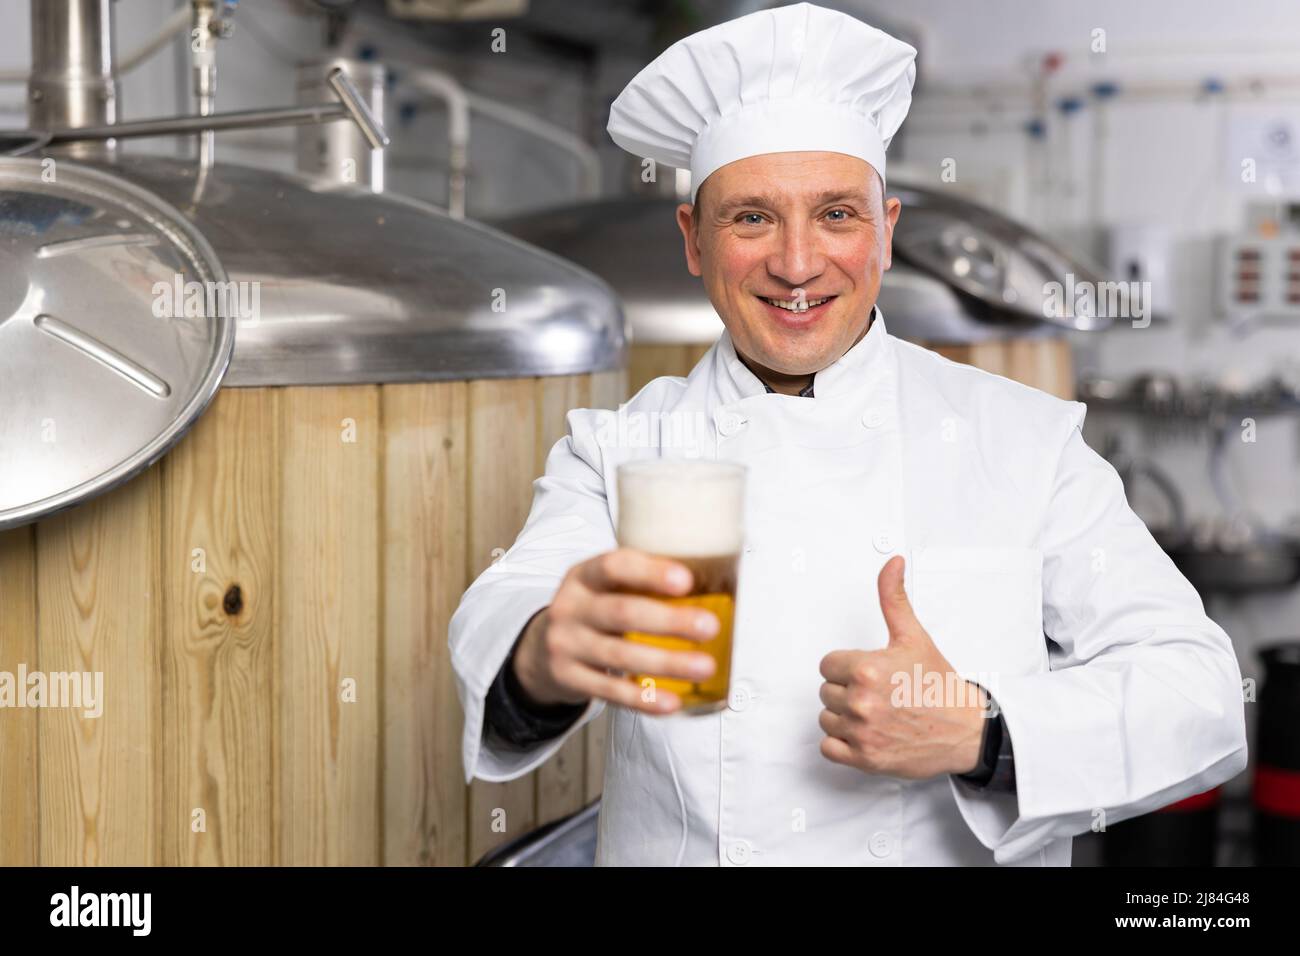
(768, 201)
(728, 206)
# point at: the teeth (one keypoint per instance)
(796, 305)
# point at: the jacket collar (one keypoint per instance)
(856, 371)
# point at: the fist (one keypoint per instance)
(878, 715)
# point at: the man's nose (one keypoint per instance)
(798, 257)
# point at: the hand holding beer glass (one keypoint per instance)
(691, 512)
(623, 617)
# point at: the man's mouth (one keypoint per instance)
(802, 310)
(796, 305)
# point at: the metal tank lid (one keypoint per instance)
(354, 287)
(994, 261)
(102, 365)
(633, 243)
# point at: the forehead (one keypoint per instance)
(791, 178)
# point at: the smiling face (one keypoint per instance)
(768, 231)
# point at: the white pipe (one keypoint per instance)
(556, 135)
(1097, 162)
(445, 87)
(957, 96)
(173, 25)
(459, 103)
(203, 73)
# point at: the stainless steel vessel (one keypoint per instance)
(338, 285)
(357, 287)
(309, 534)
(102, 367)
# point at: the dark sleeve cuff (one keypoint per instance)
(997, 767)
(519, 721)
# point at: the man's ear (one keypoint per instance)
(686, 223)
(893, 206)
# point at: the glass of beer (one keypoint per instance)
(691, 511)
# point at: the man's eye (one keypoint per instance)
(842, 213)
(751, 218)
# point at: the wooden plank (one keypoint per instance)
(425, 493)
(647, 362)
(221, 493)
(561, 780)
(990, 356)
(100, 611)
(328, 622)
(502, 460)
(608, 389)
(19, 811)
(1044, 363)
(694, 353)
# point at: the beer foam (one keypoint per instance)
(681, 508)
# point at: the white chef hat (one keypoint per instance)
(794, 78)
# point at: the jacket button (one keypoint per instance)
(879, 844)
(874, 418)
(738, 852)
(883, 542)
(739, 698)
(730, 423)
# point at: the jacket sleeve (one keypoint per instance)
(569, 522)
(515, 719)
(1142, 703)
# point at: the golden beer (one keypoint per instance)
(691, 512)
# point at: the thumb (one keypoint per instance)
(894, 604)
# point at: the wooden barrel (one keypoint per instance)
(1044, 362)
(268, 605)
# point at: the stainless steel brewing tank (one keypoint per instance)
(268, 602)
(354, 287)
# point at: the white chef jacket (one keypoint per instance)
(1024, 562)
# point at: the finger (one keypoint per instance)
(837, 666)
(626, 569)
(835, 697)
(621, 613)
(837, 751)
(613, 653)
(894, 604)
(835, 725)
(620, 691)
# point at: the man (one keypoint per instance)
(955, 643)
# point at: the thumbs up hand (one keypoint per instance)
(880, 718)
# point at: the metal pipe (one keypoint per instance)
(72, 83)
(446, 87)
(357, 108)
(339, 152)
(240, 119)
(588, 159)
(461, 102)
(203, 63)
(173, 25)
